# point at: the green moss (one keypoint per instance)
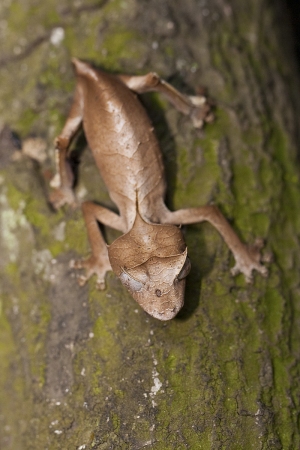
(115, 7)
(286, 159)
(56, 119)
(116, 422)
(171, 362)
(197, 189)
(83, 45)
(119, 393)
(261, 223)
(76, 236)
(15, 196)
(38, 316)
(109, 49)
(273, 306)
(244, 183)
(49, 18)
(56, 248)
(169, 50)
(11, 269)
(7, 347)
(220, 289)
(51, 78)
(18, 16)
(282, 402)
(36, 216)
(105, 338)
(34, 213)
(220, 57)
(119, 42)
(22, 14)
(253, 137)
(29, 116)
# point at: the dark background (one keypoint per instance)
(294, 12)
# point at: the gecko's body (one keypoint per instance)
(124, 146)
(151, 257)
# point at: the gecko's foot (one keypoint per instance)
(92, 266)
(61, 142)
(249, 260)
(60, 196)
(202, 110)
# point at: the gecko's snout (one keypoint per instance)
(158, 284)
(163, 305)
(159, 303)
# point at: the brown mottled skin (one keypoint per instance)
(150, 258)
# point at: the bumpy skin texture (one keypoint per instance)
(150, 259)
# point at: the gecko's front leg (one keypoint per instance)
(247, 258)
(98, 263)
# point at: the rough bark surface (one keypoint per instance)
(85, 369)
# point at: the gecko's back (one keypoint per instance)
(121, 138)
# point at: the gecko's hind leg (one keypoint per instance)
(197, 107)
(98, 263)
(64, 179)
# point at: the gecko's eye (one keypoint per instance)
(130, 283)
(185, 269)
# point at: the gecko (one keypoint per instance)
(150, 257)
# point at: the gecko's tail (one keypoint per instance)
(82, 68)
(78, 65)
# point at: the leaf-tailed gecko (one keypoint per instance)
(150, 258)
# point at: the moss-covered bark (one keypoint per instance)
(82, 369)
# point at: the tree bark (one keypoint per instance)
(90, 370)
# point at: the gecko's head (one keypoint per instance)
(152, 263)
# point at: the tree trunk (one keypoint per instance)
(83, 369)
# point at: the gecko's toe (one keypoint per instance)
(264, 271)
(76, 264)
(198, 100)
(234, 270)
(249, 278)
(201, 111)
(59, 197)
(258, 244)
(247, 270)
(267, 257)
(198, 123)
(82, 280)
(100, 284)
(92, 266)
(210, 118)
